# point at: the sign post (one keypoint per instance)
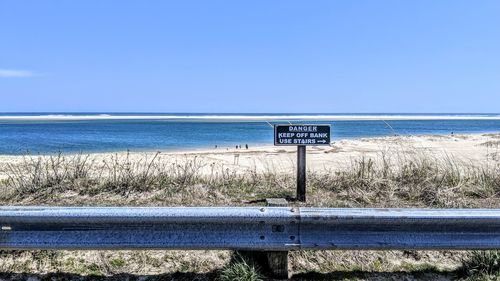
(301, 173)
(301, 135)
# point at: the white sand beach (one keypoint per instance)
(471, 149)
(236, 118)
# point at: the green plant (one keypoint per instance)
(481, 264)
(240, 270)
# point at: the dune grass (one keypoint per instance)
(241, 269)
(408, 179)
(481, 265)
(390, 180)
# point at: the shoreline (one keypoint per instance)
(476, 149)
(252, 147)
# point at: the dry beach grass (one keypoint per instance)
(427, 171)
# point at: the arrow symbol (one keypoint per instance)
(322, 141)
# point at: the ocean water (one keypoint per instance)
(52, 133)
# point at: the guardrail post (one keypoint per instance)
(274, 263)
(278, 264)
(277, 261)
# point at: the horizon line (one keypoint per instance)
(253, 117)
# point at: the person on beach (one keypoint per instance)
(246, 146)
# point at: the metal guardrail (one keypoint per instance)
(247, 228)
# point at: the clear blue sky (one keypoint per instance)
(250, 56)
